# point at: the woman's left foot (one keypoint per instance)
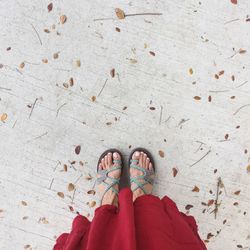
(108, 177)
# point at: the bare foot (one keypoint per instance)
(141, 160)
(108, 162)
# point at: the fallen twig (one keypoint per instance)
(209, 151)
(103, 87)
(160, 116)
(240, 108)
(37, 34)
(57, 112)
(33, 106)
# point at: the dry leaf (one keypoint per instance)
(152, 108)
(119, 13)
(152, 53)
(112, 73)
(93, 98)
(56, 55)
(78, 149)
(71, 81)
(81, 163)
(91, 192)
(60, 194)
(210, 202)
(117, 29)
(46, 30)
(221, 72)
(43, 220)
(226, 136)
(248, 168)
(234, 1)
(191, 71)
(4, 117)
(91, 204)
(21, 66)
(210, 98)
(45, 60)
(24, 203)
(63, 19)
(108, 123)
(65, 85)
(187, 207)
(237, 192)
(195, 189)
(71, 187)
(133, 60)
(89, 177)
(216, 76)
(78, 63)
(197, 98)
(65, 167)
(209, 235)
(175, 171)
(161, 153)
(50, 7)
(242, 51)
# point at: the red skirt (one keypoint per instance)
(147, 224)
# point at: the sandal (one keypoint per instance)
(148, 175)
(103, 174)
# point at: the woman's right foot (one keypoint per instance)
(141, 160)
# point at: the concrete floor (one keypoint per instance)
(180, 85)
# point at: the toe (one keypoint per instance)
(110, 160)
(147, 163)
(103, 163)
(106, 161)
(151, 166)
(100, 166)
(141, 159)
(144, 160)
(136, 156)
(116, 157)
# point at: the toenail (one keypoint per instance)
(109, 153)
(137, 153)
(115, 155)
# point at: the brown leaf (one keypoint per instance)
(24, 203)
(233, 77)
(45, 60)
(210, 98)
(248, 168)
(65, 167)
(242, 51)
(124, 108)
(197, 98)
(65, 85)
(117, 29)
(191, 71)
(234, 1)
(21, 66)
(78, 149)
(226, 136)
(60, 194)
(224, 222)
(161, 153)
(71, 187)
(195, 189)
(63, 19)
(221, 72)
(152, 53)
(78, 63)
(93, 98)
(236, 204)
(237, 192)
(108, 123)
(112, 73)
(50, 7)
(175, 171)
(187, 207)
(71, 81)
(91, 192)
(119, 13)
(209, 235)
(56, 55)
(91, 204)
(152, 108)
(4, 117)
(46, 30)
(210, 202)
(216, 76)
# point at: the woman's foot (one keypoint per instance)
(110, 165)
(141, 160)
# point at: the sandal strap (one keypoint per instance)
(104, 176)
(141, 180)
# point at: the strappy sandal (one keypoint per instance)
(148, 175)
(103, 174)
